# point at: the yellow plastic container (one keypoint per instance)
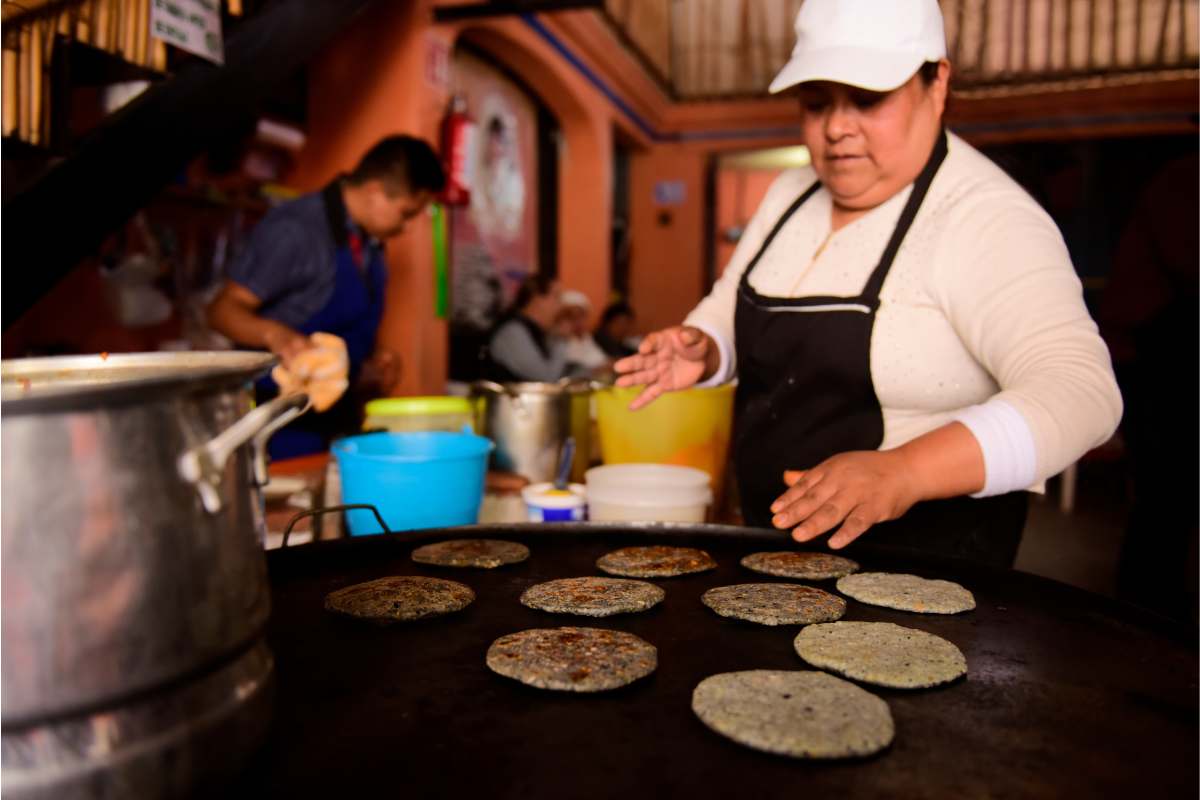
(689, 428)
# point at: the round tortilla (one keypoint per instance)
(907, 593)
(794, 713)
(882, 654)
(657, 561)
(593, 597)
(802, 566)
(482, 553)
(775, 603)
(400, 599)
(572, 659)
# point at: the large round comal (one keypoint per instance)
(416, 480)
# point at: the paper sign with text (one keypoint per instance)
(191, 25)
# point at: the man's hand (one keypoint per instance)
(667, 361)
(499, 482)
(234, 314)
(381, 372)
(284, 341)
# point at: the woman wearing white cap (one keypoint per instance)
(909, 336)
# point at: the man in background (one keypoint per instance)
(316, 264)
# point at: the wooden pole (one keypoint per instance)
(36, 61)
(25, 50)
(159, 55)
(142, 51)
(101, 24)
(12, 84)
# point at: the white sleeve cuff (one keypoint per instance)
(726, 365)
(1009, 453)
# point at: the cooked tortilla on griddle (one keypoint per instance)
(775, 603)
(802, 566)
(882, 653)
(572, 659)
(657, 561)
(794, 713)
(593, 597)
(481, 553)
(400, 599)
(907, 593)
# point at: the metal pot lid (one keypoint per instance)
(527, 388)
(30, 385)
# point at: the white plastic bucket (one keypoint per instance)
(647, 493)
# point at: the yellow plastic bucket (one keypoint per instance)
(690, 428)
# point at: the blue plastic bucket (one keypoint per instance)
(429, 479)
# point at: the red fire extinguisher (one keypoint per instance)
(458, 134)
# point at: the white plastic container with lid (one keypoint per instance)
(647, 493)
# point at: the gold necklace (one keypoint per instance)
(813, 260)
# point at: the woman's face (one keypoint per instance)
(866, 146)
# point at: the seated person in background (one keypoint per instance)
(573, 335)
(521, 347)
(615, 334)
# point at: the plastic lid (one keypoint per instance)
(544, 495)
(649, 498)
(418, 406)
(657, 477)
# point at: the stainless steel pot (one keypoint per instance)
(132, 527)
(528, 422)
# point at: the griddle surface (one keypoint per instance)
(1068, 695)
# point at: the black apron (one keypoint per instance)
(805, 394)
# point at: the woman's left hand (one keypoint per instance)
(856, 489)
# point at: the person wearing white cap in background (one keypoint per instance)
(574, 336)
(908, 333)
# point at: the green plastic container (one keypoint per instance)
(407, 414)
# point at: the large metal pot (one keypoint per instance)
(529, 422)
(134, 586)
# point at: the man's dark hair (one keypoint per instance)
(531, 287)
(619, 309)
(403, 164)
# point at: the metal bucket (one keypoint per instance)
(529, 422)
(135, 589)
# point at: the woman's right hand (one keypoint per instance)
(667, 361)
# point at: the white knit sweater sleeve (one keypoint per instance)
(714, 315)
(1003, 277)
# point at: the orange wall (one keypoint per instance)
(667, 263)
(371, 83)
(666, 273)
(739, 191)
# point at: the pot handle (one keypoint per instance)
(312, 512)
(481, 386)
(203, 466)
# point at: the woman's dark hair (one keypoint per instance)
(929, 73)
(403, 164)
(615, 310)
(531, 287)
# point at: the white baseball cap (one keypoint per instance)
(872, 44)
(574, 297)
